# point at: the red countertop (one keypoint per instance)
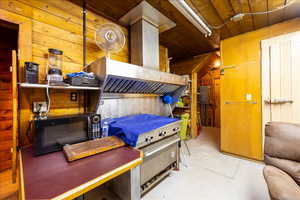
(50, 175)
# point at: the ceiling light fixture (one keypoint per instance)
(190, 14)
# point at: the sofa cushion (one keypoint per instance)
(288, 166)
(283, 140)
(281, 185)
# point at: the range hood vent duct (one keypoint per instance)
(146, 23)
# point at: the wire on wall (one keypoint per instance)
(240, 16)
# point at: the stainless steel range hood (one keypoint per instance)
(125, 87)
(120, 77)
(143, 76)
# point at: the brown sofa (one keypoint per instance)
(282, 158)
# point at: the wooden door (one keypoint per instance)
(15, 114)
(240, 101)
(281, 61)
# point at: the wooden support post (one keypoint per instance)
(194, 120)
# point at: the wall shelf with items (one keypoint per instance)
(31, 85)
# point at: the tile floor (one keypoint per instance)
(211, 175)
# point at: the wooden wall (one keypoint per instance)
(241, 123)
(164, 64)
(194, 66)
(56, 24)
(6, 139)
(212, 79)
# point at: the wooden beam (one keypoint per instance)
(15, 128)
(194, 110)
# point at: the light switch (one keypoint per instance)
(249, 97)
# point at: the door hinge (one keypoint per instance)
(10, 68)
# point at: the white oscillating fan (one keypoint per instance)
(110, 38)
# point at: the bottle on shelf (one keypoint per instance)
(105, 128)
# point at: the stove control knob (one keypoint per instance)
(146, 139)
(161, 134)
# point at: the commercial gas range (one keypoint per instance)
(161, 154)
(158, 138)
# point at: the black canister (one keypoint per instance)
(31, 72)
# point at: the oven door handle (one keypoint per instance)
(162, 147)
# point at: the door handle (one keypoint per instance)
(240, 102)
(278, 101)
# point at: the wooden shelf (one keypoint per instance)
(185, 107)
(31, 85)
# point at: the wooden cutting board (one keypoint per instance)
(91, 147)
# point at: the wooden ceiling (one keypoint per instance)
(185, 40)
(217, 12)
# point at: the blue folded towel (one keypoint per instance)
(128, 128)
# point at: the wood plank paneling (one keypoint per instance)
(259, 6)
(5, 125)
(176, 39)
(5, 155)
(6, 96)
(210, 14)
(225, 10)
(5, 135)
(163, 59)
(278, 16)
(7, 188)
(241, 123)
(185, 40)
(242, 6)
(5, 114)
(55, 24)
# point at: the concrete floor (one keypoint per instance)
(211, 175)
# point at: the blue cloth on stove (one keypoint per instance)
(128, 128)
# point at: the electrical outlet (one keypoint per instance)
(73, 96)
(39, 107)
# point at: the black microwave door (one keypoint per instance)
(52, 134)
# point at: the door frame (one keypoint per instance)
(24, 53)
(265, 77)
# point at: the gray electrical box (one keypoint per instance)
(204, 95)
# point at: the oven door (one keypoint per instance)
(159, 158)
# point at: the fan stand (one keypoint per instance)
(107, 54)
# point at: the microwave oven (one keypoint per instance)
(52, 133)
